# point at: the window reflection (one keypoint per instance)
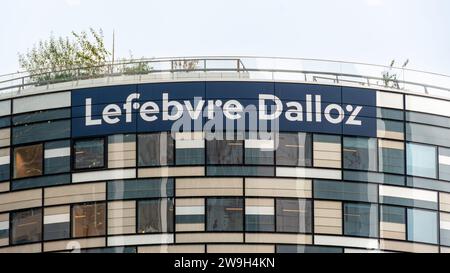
(421, 160)
(155, 216)
(360, 153)
(361, 220)
(294, 149)
(156, 149)
(225, 214)
(89, 154)
(294, 215)
(89, 220)
(28, 161)
(225, 152)
(26, 226)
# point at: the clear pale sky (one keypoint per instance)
(372, 31)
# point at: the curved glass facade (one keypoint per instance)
(324, 186)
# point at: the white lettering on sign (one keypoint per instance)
(270, 108)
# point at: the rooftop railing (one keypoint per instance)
(242, 67)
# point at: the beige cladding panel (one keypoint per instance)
(260, 202)
(29, 248)
(4, 217)
(241, 248)
(20, 200)
(444, 217)
(407, 247)
(445, 249)
(393, 227)
(112, 156)
(444, 199)
(75, 243)
(4, 152)
(392, 231)
(390, 134)
(122, 147)
(327, 155)
(388, 144)
(172, 249)
(75, 194)
(328, 217)
(121, 217)
(56, 210)
(278, 187)
(209, 187)
(188, 202)
(392, 235)
(4, 186)
(5, 137)
(4, 242)
(208, 237)
(278, 238)
(122, 155)
(189, 227)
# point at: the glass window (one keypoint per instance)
(391, 214)
(293, 215)
(156, 149)
(225, 214)
(26, 226)
(390, 113)
(28, 161)
(294, 149)
(43, 115)
(41, 131)
(390, 129)
(259, 215)
(190, 156)
(429, 184)
(345, 191)
(259, 149)
(240, 171)
(89, 220)
(155, 216)
(361, 220)
(428, 119)
(59, 162)
(380, 178)
(225, 152)
(444, 163)
(422, 226)
(255, 222)
(89, 154)
(5, 122)
(39, 182)
(140, 188)
(421, 160)
(108, 250)
(360, 153)
(308, 249)
(56, 231)
(391, 156)
(190, 148)
(427, 134)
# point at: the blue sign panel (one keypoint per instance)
(250, 106)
